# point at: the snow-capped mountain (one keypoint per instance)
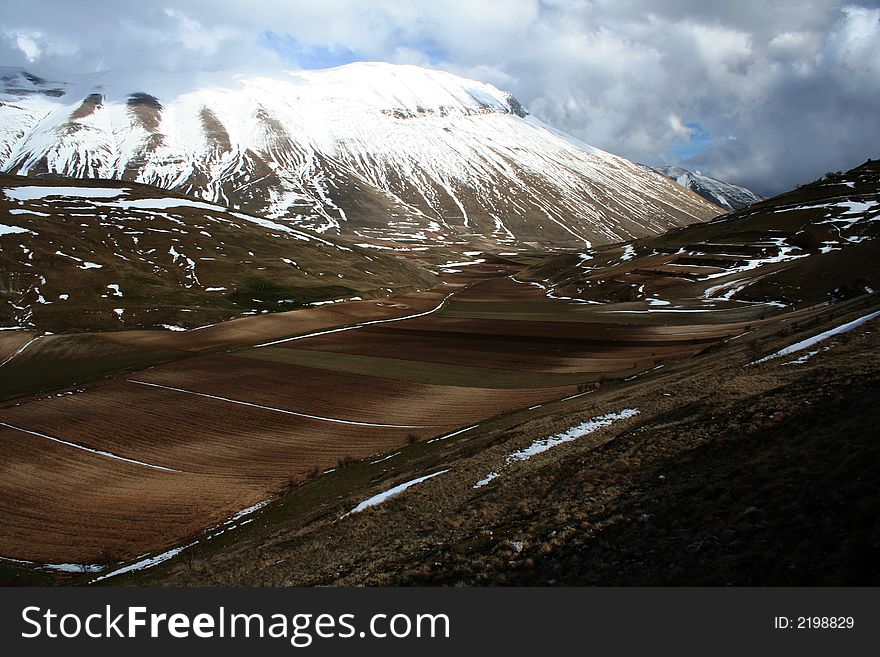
(378, 152)
(725, 194)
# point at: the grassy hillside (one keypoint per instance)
(92, 255)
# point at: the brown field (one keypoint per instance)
(592, 344)
(62, 504)
(516, 353)
(198, 434)
(228, 454)
(12, 341)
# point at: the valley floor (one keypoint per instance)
(686, 465)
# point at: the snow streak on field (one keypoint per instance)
(155, 560)
(281, 410)
(109, 455)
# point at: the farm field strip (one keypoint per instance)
(12, 340)
(98, 452)
(281, 410)
(360, 324)
(63, 505)
(598, 331)
(350, 394)
(198, 434)
(20, 350)
(422, 372)
(248, 331)
(517, 355)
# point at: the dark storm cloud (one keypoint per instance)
(767, 94)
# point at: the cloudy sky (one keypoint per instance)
(766, 93)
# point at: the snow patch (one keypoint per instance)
(14, 230)
(583, 429)
(31, 193)
(391, 492)
(485, 480)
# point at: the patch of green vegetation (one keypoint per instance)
(63, 361)
(13, 574)
(416, 371)
(270, 291)
(536, 311)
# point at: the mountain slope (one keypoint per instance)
(87, 255)
(378, 152)
(725, 194)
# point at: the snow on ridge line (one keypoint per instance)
(350, 114)
(171, 202)
(37, 192)
(391, 492)
(809, 342)
(465, 263)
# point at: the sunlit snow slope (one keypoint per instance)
(378, 152)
